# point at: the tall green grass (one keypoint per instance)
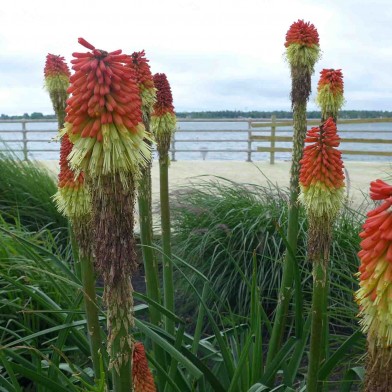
(217, 225)
(26, 191)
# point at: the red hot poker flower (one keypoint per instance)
(375, 271)
(145, 81)
(141, 374)
(142, 69)
(330, 92)
(104, 114)
(321, 160)
(66, 176)
(164, 102)
(55, 66)
(321, 174)
(302, 33)
(72, 197)
(333, 78)
(103, 92)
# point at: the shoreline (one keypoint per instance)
(183, 173)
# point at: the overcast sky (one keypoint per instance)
(216, 54)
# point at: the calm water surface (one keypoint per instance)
(198, 139)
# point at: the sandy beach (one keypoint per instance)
(183, 172)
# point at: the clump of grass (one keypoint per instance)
(26, 191)
(217, 225)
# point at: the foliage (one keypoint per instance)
(218, 224)
(26, 191)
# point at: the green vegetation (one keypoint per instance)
(26, 191)
(231, 114)
(218, 226)
(44, 341)
(281, 114)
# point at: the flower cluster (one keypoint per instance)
(375, 272)
(302, 44)
(72, 198)
(145, 81)
(163, 120)
(55, 66)
(302, 33)
(141, 374)
(104, 117)
(57, 76)
(321, 174)
(330, 91)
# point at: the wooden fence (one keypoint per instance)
(273, 138)
(249, 134)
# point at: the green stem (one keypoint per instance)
(168, 286)
(122, 378)
(75, 252)
(286, 288)
(120, 318)
(318, 310)
(146, 237)
(93, 327)
(150, 260)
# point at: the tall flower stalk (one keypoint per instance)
(163, 122)
(302, 52)
(104, 121)
(74, 201)
(148, 97)
(322, 194)
(375, 293)
(330, 99)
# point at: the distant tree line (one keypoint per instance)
(233, 114)
(281, 114)
(26, 116)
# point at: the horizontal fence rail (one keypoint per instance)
(33, 138)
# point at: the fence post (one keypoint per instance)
(273, 129)
(173, 146)
(249, 141)
(24, 136)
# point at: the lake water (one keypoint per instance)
(193, 136)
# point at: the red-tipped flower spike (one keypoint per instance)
(375, 272)
(330, 92)
(164, 102)
(141, 374)
(302, 44)
(145, 81)
(302, 33)
(163, 119)
(321, 174)
(72, 197)
(104, 118)
(56, 66)
(57, 76)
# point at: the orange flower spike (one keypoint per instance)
(302, 33)
(330, 92)
(142, 378)
(72, 198)
(375, 272)
(57, 76)
(145, 82)
(302, 45)
(104, 116)
(321, 174)
(163, 118)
